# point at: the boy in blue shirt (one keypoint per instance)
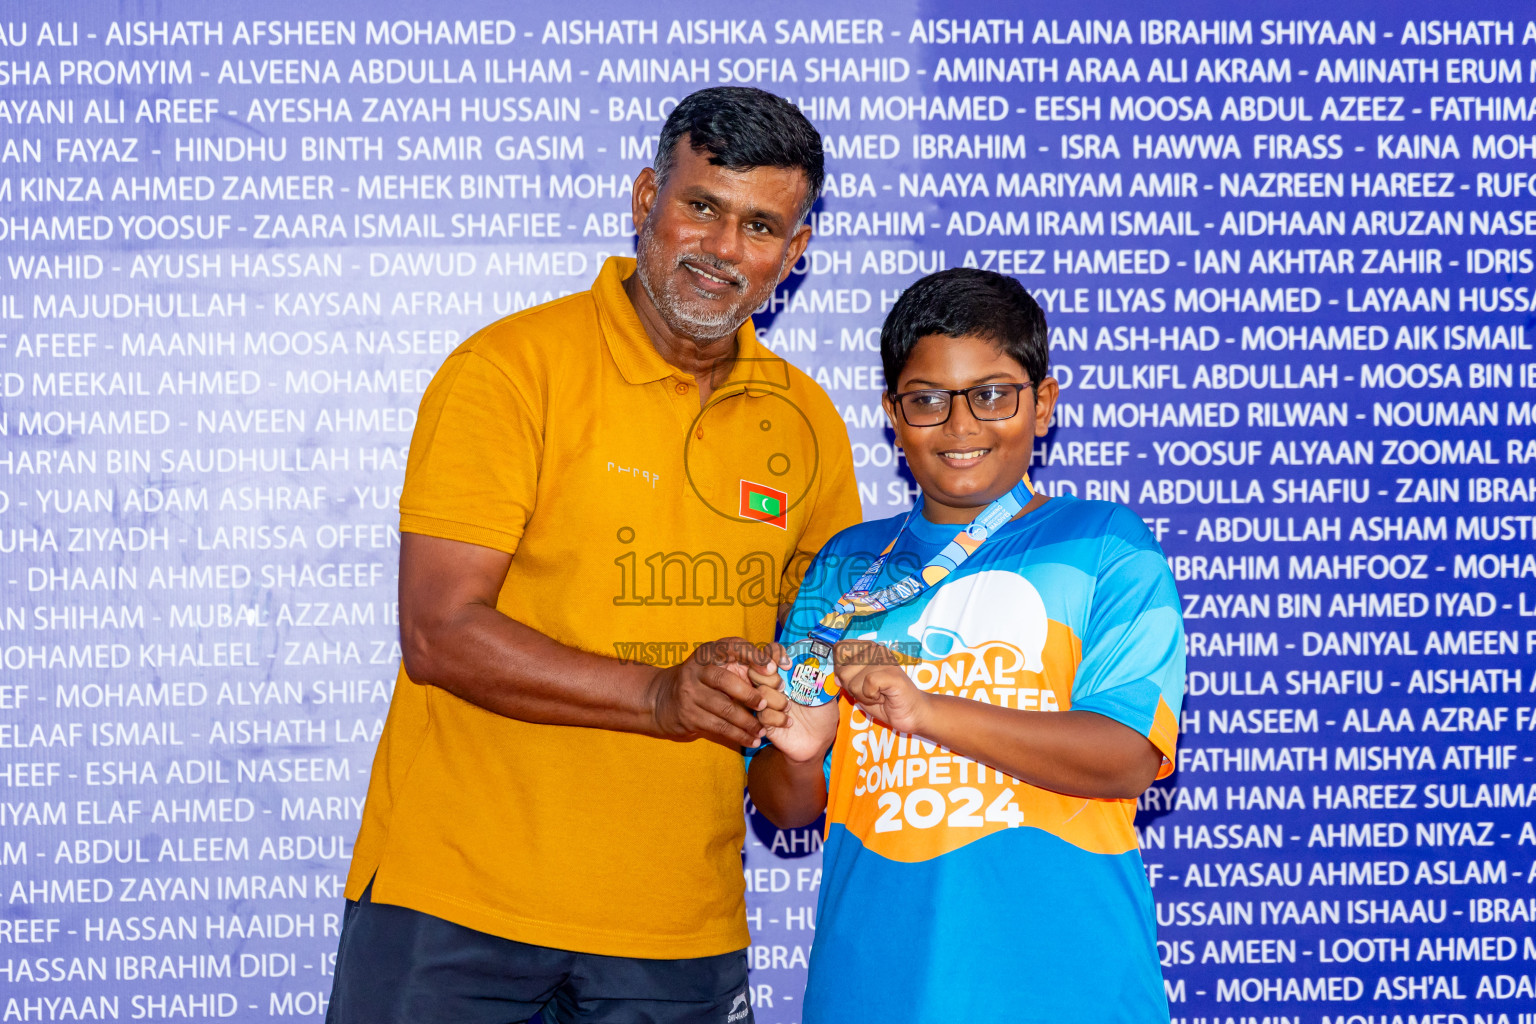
(994, 730)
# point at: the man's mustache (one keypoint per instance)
(715, 265)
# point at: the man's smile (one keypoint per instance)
(711, 280)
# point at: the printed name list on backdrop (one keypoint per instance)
(1288, 268)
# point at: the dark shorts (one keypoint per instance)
(400, 966)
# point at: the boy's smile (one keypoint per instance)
(964, 463)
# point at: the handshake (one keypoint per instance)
(732, 691)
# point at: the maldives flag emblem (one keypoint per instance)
(764, 504)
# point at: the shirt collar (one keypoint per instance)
(635, 356)
(755, 371)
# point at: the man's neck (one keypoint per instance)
(708, 361)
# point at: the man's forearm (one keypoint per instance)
(482, 656)
(453, 636)
(1077, 753)
(790, 794)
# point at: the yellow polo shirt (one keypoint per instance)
(639, 526)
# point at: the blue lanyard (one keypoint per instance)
(809, 679)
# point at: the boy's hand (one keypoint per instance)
(800, 733)
(871, 677)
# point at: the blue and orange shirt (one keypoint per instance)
(951, 891)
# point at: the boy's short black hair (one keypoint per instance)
(742, 128)
(961, 301)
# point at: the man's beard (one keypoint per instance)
(693, 316)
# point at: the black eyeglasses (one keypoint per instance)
(931, 406)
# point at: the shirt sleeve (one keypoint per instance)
(1132, 669)
(473, 470)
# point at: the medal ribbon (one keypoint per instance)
(809, 678)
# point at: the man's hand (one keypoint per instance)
(870, 677)
(710, 696)
(803, 734)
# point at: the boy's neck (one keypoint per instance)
(949, 515)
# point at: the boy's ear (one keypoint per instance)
(1045, 404)
(889, 407)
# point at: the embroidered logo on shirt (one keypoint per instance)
(635, 471)
(764, 504)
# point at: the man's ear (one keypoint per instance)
(643, 199)
(797, 243)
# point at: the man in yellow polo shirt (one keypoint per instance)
(595, 486)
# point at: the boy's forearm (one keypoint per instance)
(790, 794)
(1077, 753)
